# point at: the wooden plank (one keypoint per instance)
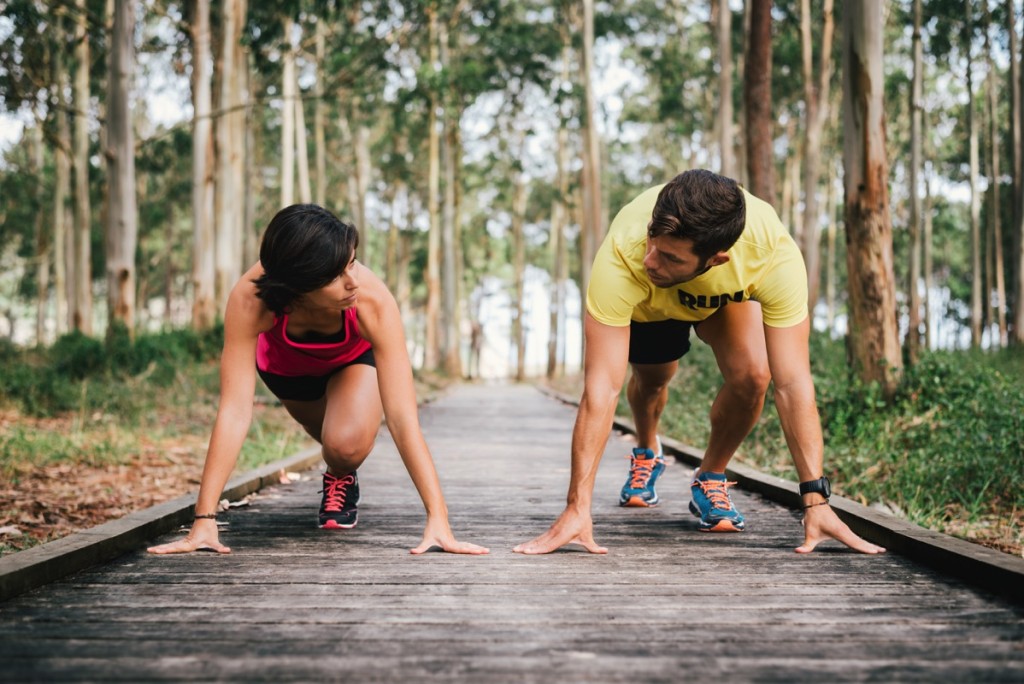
(297, 603)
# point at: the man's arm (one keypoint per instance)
(604, 370)
(789, 360)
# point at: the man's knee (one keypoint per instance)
(750, 383)
(649, 382)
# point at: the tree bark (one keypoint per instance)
(725, 66)
(976, 247)
(204, 303)
(40, 230)
(816, 96)
(432, 342)
(757, 97)
(914, 276)
(450, 338)
(1018, 312)
(302, 148)
(994, 173)
(559, 216)
(63, 245)
(123, 215)
(519, 268)
(81, 305)
(874, 334)
(289, 84)
(592, 231)
(319, 138)
(230, 150)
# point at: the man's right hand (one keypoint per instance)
(202, 537)
(572, 527)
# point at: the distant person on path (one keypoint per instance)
(699, 252)
(325, 335)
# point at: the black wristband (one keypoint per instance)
(208, 516)
(820, 503)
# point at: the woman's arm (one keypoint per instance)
(243, 320)
(381, 324)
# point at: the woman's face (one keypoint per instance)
(339, 294)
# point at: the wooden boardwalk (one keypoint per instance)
(667, 604)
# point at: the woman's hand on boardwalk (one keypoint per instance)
(572, 527)
(202, 537)
(438, 533)
(821, 523)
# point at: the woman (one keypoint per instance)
(326, 337)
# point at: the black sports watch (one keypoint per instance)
(820, 486)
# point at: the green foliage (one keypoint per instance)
(46, 382)
(950, 444)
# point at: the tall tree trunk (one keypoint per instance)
(874, 333)
(816, 95)
(289, 84)
(591, 231)
(319, 138)
(519, 269)
(757, 98)
(362, 171)
(994, 173)
(230, 150)
(1015, 114)
(830, 257)
(63, 245)
(123, 215)
(82, 304)
(204, 303)
(559, 216)
(432, 342)
(302, 147)
(42, 233)
(914, 276)
(450, 338)
(1018, 230)
(929, 269)
(976, 247)
(725, 127)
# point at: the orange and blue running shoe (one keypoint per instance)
(644, 469)
(711, 503)
(338, 508)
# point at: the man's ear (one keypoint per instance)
(718, 259)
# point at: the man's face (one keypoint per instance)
(670, 261)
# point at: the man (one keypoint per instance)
(698, 252)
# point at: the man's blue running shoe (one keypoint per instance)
(711, 503)
(644, 469)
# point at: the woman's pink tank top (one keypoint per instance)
(277, 354)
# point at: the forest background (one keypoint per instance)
(481, 149)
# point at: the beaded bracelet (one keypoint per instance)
(820, 503)
(208, 516)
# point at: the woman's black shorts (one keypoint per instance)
(658, 342)
(308, 387)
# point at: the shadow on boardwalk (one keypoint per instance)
(667, 604)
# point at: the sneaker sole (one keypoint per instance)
(639, 502)
(335, 525)
(720, 526)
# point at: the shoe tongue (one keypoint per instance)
(712, 476)
(643, 453)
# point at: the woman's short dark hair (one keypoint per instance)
(703, 207)
(304, 248)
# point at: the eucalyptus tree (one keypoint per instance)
(204, 304)
(122, 211)
(81, 305)
(757, 97)
(874, 334)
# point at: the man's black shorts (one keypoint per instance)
(658, 342)
(308, 387)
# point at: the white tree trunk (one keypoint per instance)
(123, 215)
(204, 302)
(81, 305)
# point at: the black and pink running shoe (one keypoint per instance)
(338, 509)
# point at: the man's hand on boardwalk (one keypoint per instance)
(439, 534)
(572, 527)
(202, 537)
(821, 523)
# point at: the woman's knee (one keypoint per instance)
(345, 449)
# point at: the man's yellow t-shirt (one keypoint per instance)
(764, 265)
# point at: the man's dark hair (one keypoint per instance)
(304, 248)
(703, 207)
